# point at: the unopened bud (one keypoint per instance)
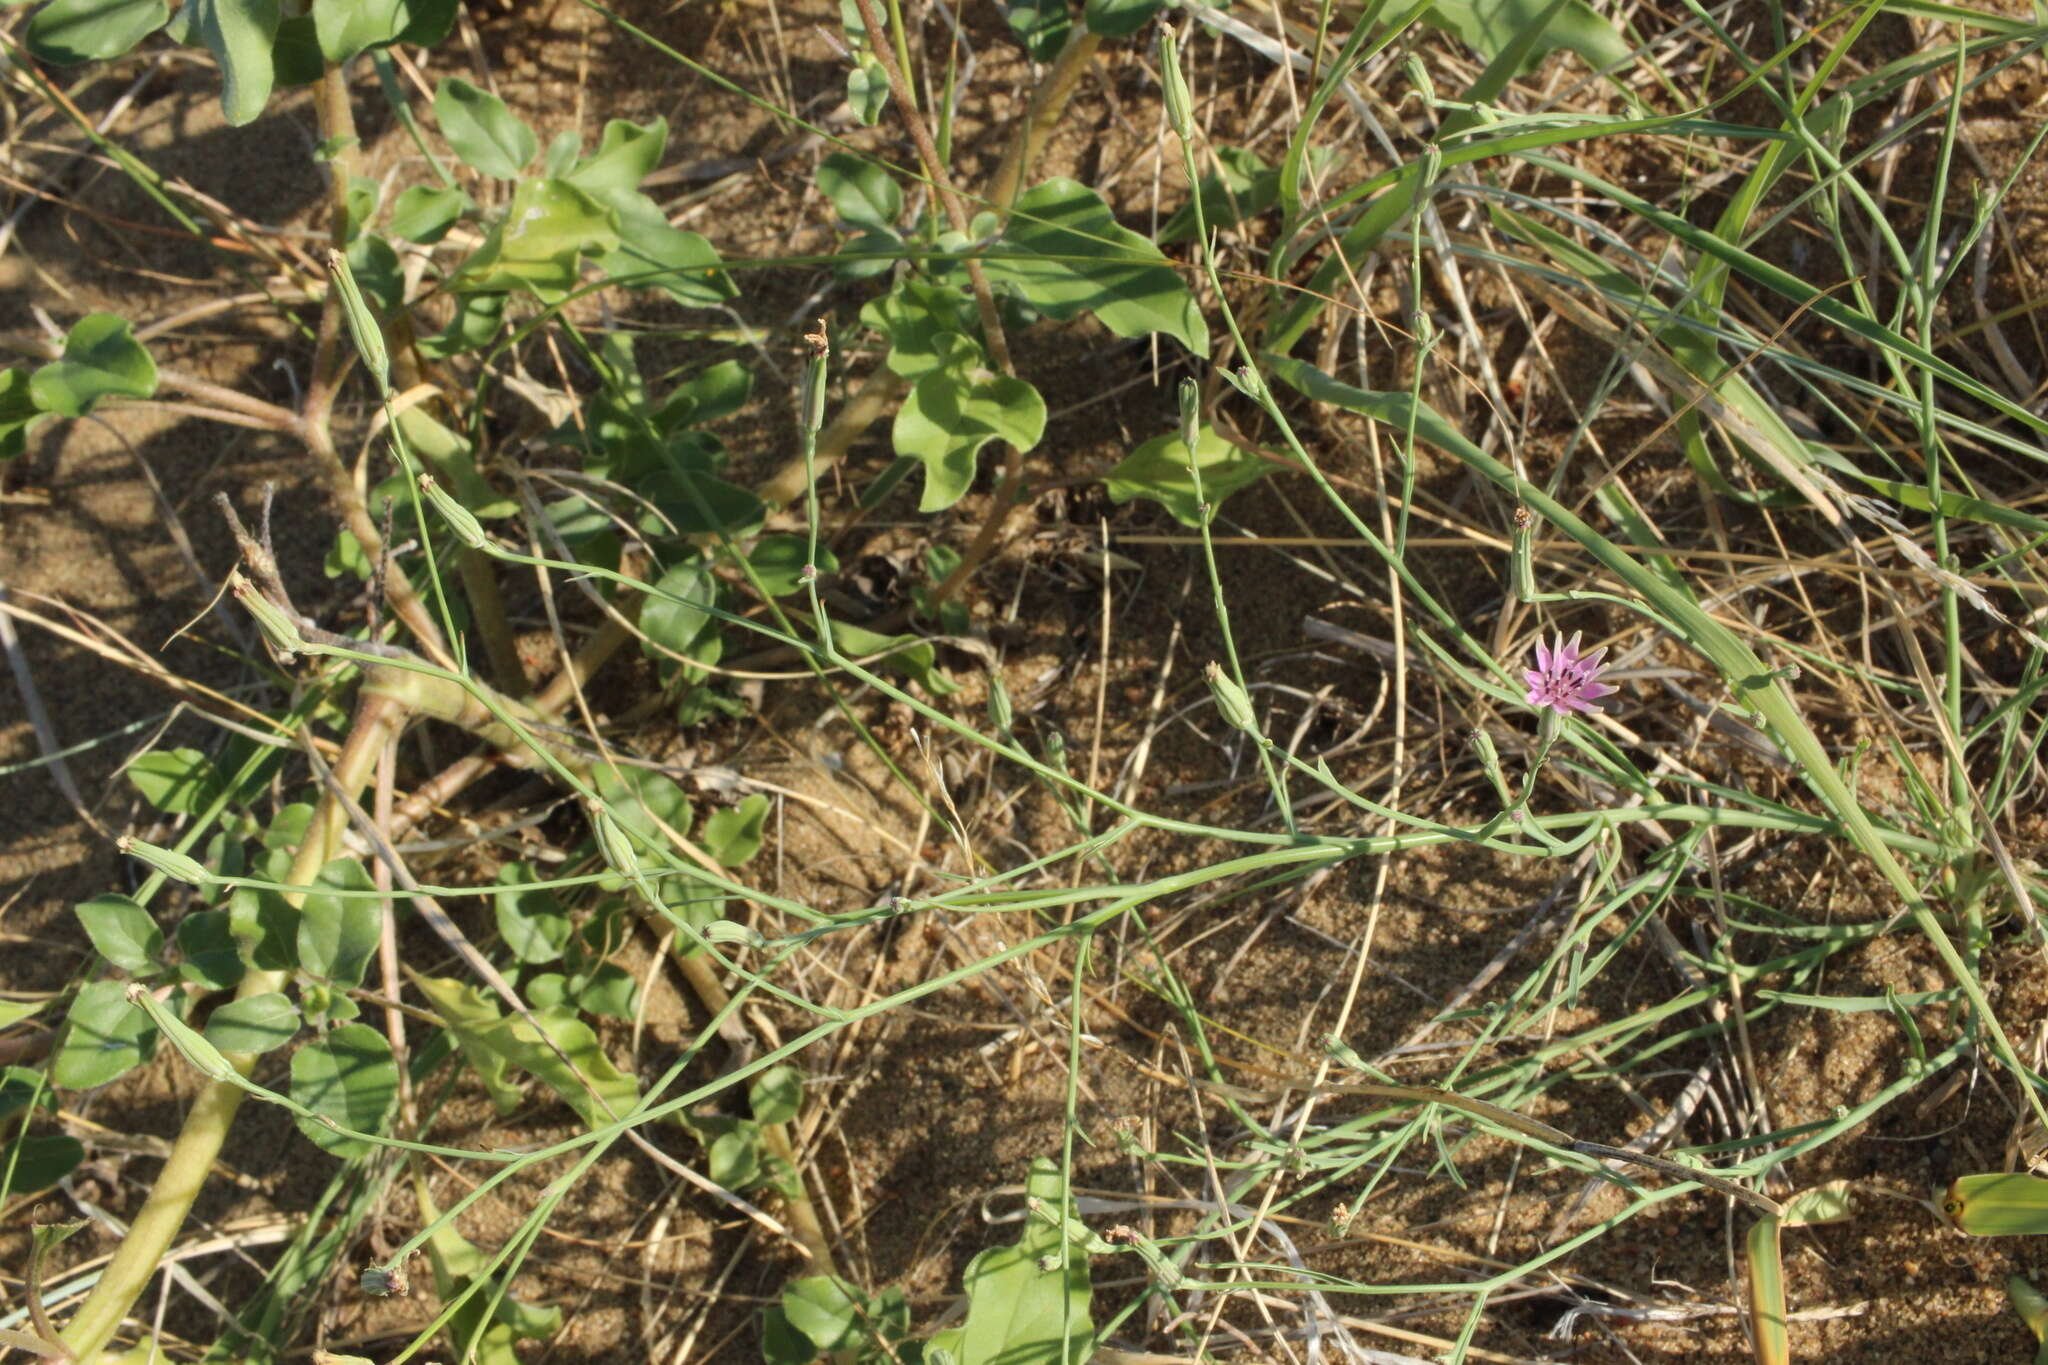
(167, 861)
(1232, 700)
(460, 519)
(731, 931)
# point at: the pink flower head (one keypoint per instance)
(1563, 679)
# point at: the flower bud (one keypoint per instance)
(460, 519)
(167, 861)
(1232, 701)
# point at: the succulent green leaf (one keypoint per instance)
(255, 1024)
(826, 1309)
(547, 229)
(650, 253)
(626, 154)
(69, 31)
(530, 919)
(1064, 253)
(950, 415)
(468, 1011)
(1159, 470)
(733, 835)
(208, 953)
(124, 933)
(1027, 1302)
(424, 213)
(865, 194)
(776, 1095)
(779, 562)
(676, 614)
(35, 1162)
(482, 131)
(102, 359)
(610, 1094)
(338, 934)
(1119, 18)
(107, 1035)
(867, 91)
(348, 1076)
(240, 34)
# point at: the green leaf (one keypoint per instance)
(1119, 18)
(652, 254)
(776, 1095)
(530, 919)
(1065, 253)
(424, 213)
(540, 241)
(348, 1076)
(1022, 1303)
(101, 359)
(449, 455)
(208, 952)
(826, 1309)
(347, 27)
(693, 503)
(468, 1011)
(378, 273)
(609, 991)
(867, 90)
(718, 391)
(950, 416)
(1041, 25)
(733, 835)
(264, 923)
(123, 932)
(18, 412)
(734, 1157)
(32, 1162)
(779, 562)
(641, 801)
(1490, 27)
(914, 316)
(338, 934)
(675, 615)
(176, 781)
(240, 34)
(1158, 470)
(70, 31)
(295, 53)
(13, 1012)
(782, 1344)
(626, 155)
(106, 1037)
(522, 1044)
(482, 131)
(255, 1024)
(21, 1087)
(865, 194)
(909, 655)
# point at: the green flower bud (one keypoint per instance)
(1232, 701)
(167, 861)
(460, 519)
(362, 323)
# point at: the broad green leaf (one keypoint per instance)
(950, 416)
(694, 503)
(652, 254)
(467, 1010)
(1041, 25)
(546, 991)
(105, 1036)
(348, 1076)
(487, 1324)
(347, 27)
(449, 455)
(733, 835)
(718, 391)
(21, 1087)
(540, 241)
(338, 934)
(530, 919)
(1490, 27)
(826, 1309)
(208, 952)
(18, 412)
(782, 1344)
(1119, 18)
(124, 933)
(424, 213)
(239, 33)
(523, 1045)
(734, 1157)
(779, 562)
(34, 1162)
(70, 31)
(865, 194)
(1159, 470)
(913, 657)
(626, 155)
(255, 1024)
(176, 781)
(482, 131)
(295, 53)
(675, 615)
(378, 273)
(1023, 1304)
(102, 359)
(642, 800)
(264, 923)
(1065, 253)
(13, 1012)
(608, 991)
(776, 1095)
(914, 316)
(2013, 1204)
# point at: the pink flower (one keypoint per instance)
(1563, 679)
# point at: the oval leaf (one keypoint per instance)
(107, 1036)
(123, 932)
(530, 919)
(349, 1077)
(257, 1024)
(68, 31)
(482, 131)
(101, 359)
(338, 935)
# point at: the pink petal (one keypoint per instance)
(1542, 655)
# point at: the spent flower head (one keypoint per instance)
(1563, 679)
